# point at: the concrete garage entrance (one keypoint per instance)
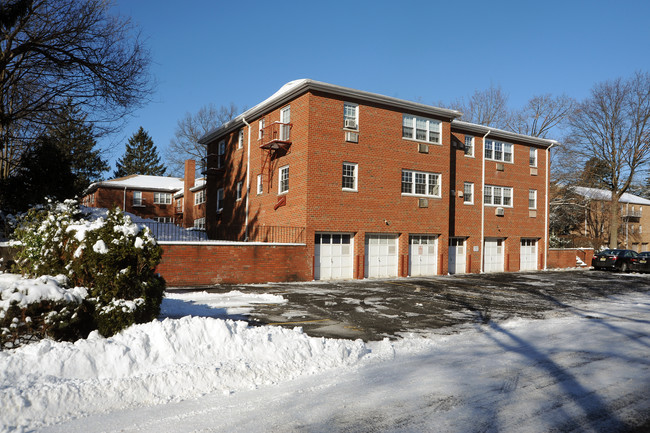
(381, 255)
(333, 256)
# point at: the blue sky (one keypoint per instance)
(211, 51)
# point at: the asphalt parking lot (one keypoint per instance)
(376, 309)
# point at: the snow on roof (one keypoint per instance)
(603, 194)
(140, 181)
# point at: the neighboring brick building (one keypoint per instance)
(634, 223)
(384, 187)
(158, 198)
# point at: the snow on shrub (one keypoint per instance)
(111, 256)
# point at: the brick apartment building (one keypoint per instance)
(634, 222)
(158, 198)
(383, 187)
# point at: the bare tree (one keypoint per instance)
(185, 144)
(612, 124)
(541, 115)
(57, 52)
(485, 107)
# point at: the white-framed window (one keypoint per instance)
(239, 190)
(533, 157)
(468, 193)
(163, 219)
(162, 198)
(221, 154)
(137, 198)
(469, 145)
(632, 228)
(498, 151)
(497, 196)
(199, 223)
(350, 115)
(532, 199)
(260, 184)
(421, 128)
(421, 183)
(262, 123)
(219, 200)
(349, 180)
(199, 197)
(283, 181)
(285, 118)
(240, 139)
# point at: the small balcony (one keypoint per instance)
(276, 136)
(632, 215)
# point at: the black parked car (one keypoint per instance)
(622, 260)
(643, 262)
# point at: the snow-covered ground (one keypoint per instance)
(586, 369)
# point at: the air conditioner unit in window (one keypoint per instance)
(500, 166)
(423, 202)
(499, 211)
(423, 148)
(352, 137)
(351, 123)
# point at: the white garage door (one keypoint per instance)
(493, 258)
(528, 255)
(381, 256)
(422, 255)
(333, 256)
(457, 255)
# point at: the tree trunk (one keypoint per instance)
(613, 221)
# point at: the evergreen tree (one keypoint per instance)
(141, 157)
(76, 140)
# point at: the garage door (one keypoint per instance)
(528, 255)
(422, 255)
(493, 258)
(457, 255)
(381, 256)
(333, 256)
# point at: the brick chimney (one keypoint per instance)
(188, 196)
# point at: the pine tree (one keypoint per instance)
(141, 157)
(76, 140)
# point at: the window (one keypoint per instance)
(533, 157)
(137, 198)
(261, 130)
(420, 128)
(283, 185)
(285, 117)
(420, 183)
(469, 145)
(497, 195)
(240, 187)
(199, 223)
(221, 154)
(240, 139)
(468, 193)
(260, 185)
(162, 198)
(498, 151)
(163, 219)
(219, 200)
(532, 199)
(350, 116)
(199, 197)
(349, 181)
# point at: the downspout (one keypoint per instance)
(546, 217)
(482, 202)
(124, 201)
(248, 177)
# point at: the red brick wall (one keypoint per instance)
(112, 197)
(201, 264)
(566, 257)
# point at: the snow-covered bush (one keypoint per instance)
(112, 257)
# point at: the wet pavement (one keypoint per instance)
(375, 309)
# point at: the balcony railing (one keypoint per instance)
(276, 135)
(632, 214)
(270, 234)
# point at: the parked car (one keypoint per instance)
(643, 262)
(622, 260)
